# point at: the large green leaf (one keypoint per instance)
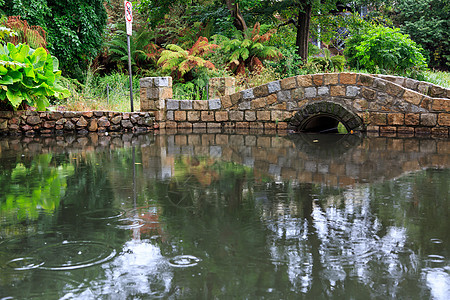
(6, 80)
(14, 97)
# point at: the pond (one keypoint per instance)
(216, 215)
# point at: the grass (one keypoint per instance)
(93, 94)
(438, 78)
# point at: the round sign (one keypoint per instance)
(128, 12)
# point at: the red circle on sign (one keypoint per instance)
(128, 12)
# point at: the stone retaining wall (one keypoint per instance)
(384, 104)
(32, 122)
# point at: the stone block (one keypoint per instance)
(82, 122)
(250, 115)
(412, 119)
(337, 90)
(173, 104)
(261, 91)
(200, 105)
(436, 91)
(235, 98)
(207, 116)
(310, 92)
(441, 105)
(247, 94)
(317, 79)
(244, 105)
(258, 103)
(361, 104)
(352, 91)
(323, 91)
(274, 86)
(284, 96)
(394, 89)
(376, 118)
(428, 120)
(365, 80)
(271, 99)
(347, 78)
(412, 97)
(331, 79)
(304, 80)
(444, 119)
(214, 104)
(396, 119)
(368, 94)
(221, 116)
(179, 115)
(263, 115)
(297, 94)
(288, 83)
(170, 116)
(33, 120)
(186, 104)
(193, 116)
(225, 101)
(236, 116)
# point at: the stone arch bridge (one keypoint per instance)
(376, 103)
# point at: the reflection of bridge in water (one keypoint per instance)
(336, 160)
(333, 160)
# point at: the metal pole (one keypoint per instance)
(129, 71)
(107, 93)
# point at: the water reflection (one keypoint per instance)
(224, 216)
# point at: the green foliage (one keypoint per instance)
(74, 28)
(27, 190)
(427, 22)
(327, 63)
(28, 75)
(192, 90)
(248, 50)
(143, 51)
(382, 49)
(179, 61)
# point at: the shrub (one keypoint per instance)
(29, 76)
(383, 49)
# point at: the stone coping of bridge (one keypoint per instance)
(385, 104)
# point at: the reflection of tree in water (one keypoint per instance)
(302, 239)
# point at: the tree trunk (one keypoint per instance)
(238, 20)
(304, 18)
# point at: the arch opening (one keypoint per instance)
(323, 124)
(325, 117)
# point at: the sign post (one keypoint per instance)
(129, 20)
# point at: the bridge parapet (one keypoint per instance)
(384, 104)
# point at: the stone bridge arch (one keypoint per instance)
(321, 116)
(384, 104)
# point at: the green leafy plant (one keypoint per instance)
(144, 53)
(327, 63)
(383, 49)
(29, 76)
(182, 63)
(248, 50)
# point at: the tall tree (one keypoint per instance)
(74, 28)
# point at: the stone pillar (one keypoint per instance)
(221, 86)
(153, 93)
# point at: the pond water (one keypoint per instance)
(225, 216)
